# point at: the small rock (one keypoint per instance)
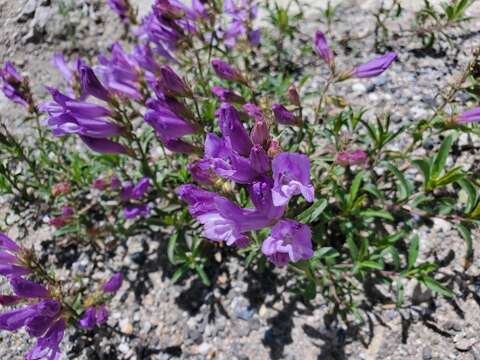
(359, 88)
(244, 313)
(427, 353)
(453, 325)
(124, 347)
(126, 327)
(203, 348)
(464, 344)
(28, 11)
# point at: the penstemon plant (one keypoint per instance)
(181, 131)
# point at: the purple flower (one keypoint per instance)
(131, 192)
(233, 129)
(261, 195)
(226, 95)
(27, 288)
(179, 146)
(48, 346)
(171, 84)
(136, 210)
(113, 284)
(91, 85)
(253, 111)
(322, 48)
(289, 241)
(120, 73)
(121, 8)
(260, 134)
(167, 124)
(346, 158)
(283, 116)
(374, 67)
(70, 71)
(222, 220)
(8, 244)
(469, 116)
(13, 85)
(144, 57)
(201, 171)
(93, 316)
(226, 72)
(104, 146)
(291, 174)
(259, 159)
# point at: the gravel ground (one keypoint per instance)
(251, 315)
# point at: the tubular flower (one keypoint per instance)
(14, 86)
(226, 95)
(322, 48)
(283, 116)
(10, 262)
(98, 314)
(131, 194)
(291, 175)
(289, 241)
(120, 73)
(469, 116)
(374, 67)
(226, 72)
(70, 116)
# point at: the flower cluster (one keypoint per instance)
(42, 315)
(132, 196)
(96, 312)
(15, 87)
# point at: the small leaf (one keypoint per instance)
(424, 166)
(404, 186)
(313, 212)
(441, 158)
(413, 252)
(172, 242)
(435, 286)
(179, 272)
(472, 194)
(377, 213)
(371, 265)
(467, 236)
(203, 275)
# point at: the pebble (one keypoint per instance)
(126, 326)
(427, 353)
(28, 11)
(359, 88)
(464, 344)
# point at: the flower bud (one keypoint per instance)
(91, 85)
(374, 67)
(171, 84)
(469, 116)
(260, 134)
(60, 189)
(227, 95)
(293, 96)
(226, 72)
(259, 159)
(283, 116)
(348, 158)
(322, 48)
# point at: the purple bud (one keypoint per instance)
(9, 300)
(141, 188)
(283, 116)
(92, 86)
(113, 284)
(253, 111)
(133, 211)
(374, 67)
(233, 129)
(322, 48)
(115, 182)
(27, 288)
(226, 95)
(99, 184)
(346, 158)
(469, 116)
(172, 84)
(88, 319)
(260, 134)
(101, 315)
(259, 159)
(104, 146)
(226, 72)
(179, 146)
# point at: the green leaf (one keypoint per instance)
(179, 273)
(413, 252)
(357, 181)
(467, 236)
(371, 265)
(405, 187)
(472, 194)
(327, 252)
(377, 213)
(451, 176)
(313, 212)
(203, 275)
(70, 229)
(352, 247)
(435, 286)
(172, 242)
(424, 166)
(441, 158)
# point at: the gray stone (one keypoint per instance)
(427, 353)
(28, 11)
